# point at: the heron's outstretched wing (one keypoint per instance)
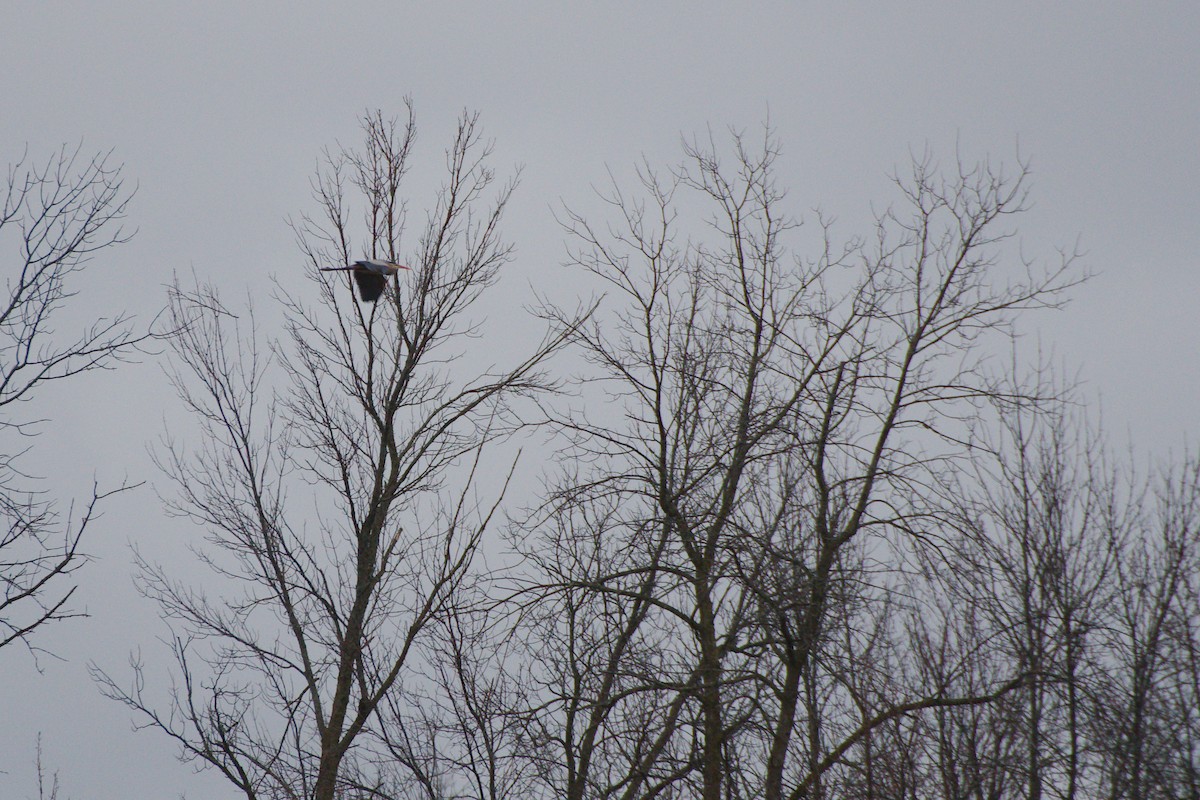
(370, 285)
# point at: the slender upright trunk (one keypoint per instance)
(777, 759)
(1072, 713)
(332, 745)
(712, 760)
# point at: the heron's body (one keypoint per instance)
(371, 276)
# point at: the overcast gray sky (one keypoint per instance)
(219, 113)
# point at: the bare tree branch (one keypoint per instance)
(59, 214)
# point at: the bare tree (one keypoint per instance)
(1185, 689)
(778, 429)
(1027, 580)
(806, 537)
(339, 479)
(1141, 729)
(56, 216)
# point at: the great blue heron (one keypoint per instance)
(371, 275)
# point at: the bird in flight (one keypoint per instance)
(371, 275)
